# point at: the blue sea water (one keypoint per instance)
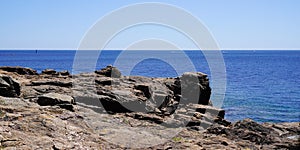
(261, 85)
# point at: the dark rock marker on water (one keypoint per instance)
(55, 110)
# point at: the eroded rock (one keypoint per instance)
(109, 71)
(19, 70)
(64, 73)
(49, 72)
(51, 99)
(9, 87)
(126, 112)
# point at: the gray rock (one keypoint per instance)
(142, 116)
(109, 71)
(9, 87)
(169, 123)
(207, 109)
(193, 88)
(104, 81)
(51, 99)
(145, 90)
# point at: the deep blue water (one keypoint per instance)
(261, 85)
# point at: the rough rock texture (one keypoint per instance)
(9, 87)
(51, 99)
(193, 86)
(19, 70)
(109, 71)
(267, 135)
(49, 72)
(64, 73)
(122, 112)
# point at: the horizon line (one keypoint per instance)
(49, 49)
(152, 50)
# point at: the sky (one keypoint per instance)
(234, 24)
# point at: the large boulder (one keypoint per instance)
(109, 71)
(158, 95)
(19, 70)
(191, 87)
(9, 87)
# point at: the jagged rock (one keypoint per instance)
(49, 72)
(121, 101)
(104, 81)
(51, 99)
(138, 94)
(198, 117)
(9, 87)
(145, 90)
(191, 87)
(247, 129)
(149, 117)
(109, 71)
(260, 134)
(141, 94)
(117, 113)
(20, 70)
(64, 73)
(248, 124)
(207, 109)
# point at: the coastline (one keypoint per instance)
(47, 110)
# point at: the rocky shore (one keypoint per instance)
(105, 110)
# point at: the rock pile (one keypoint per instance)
(55, 110)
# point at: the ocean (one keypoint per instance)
(261, 85)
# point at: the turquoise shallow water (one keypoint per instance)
(262, 85)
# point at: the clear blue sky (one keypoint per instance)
(235, 24)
